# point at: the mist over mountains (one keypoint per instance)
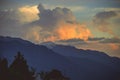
(78, 64)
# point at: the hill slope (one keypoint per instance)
(77, 64)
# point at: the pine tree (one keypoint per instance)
(19, 69)
(4, 72)
(53, 75)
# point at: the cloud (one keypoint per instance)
(60, 24)
(50, 18)
(102, 21)
(22, 14)
(101, 17)
(74, 8)
(8, 15)
(71, 40)
(5, 2)
(114, 46)
(117, 21)
(113, 43)
(96, 39)
(33, 34)
(110, 40)
(11, 24)
(9, 20)
(77, 41)
(111, 49)
(68, 31)
(28, 13)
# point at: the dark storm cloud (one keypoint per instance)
(110, 40)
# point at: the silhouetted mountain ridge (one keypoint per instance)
(72, 51)
(76, 63)
(80, 54)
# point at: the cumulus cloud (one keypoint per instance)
(11, 23)
(21, 14)
(60, 24)
(28, 13)
(51, 18)
(103, 21)
(106, 15)
(101, 18)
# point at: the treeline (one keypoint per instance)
(19, 70)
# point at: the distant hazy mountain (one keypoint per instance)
(72, 52)
(75, 63)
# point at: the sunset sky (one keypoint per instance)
(86, 24)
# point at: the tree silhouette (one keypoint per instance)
(19, 69)
(4, 72)
(53, 75)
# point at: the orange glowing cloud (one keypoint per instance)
(69, 31)
(62, 32)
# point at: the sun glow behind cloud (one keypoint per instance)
(73, 31)
(28, 13)
(70, 31)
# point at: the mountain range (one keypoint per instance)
(78, 64)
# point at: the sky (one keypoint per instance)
(86, 24)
